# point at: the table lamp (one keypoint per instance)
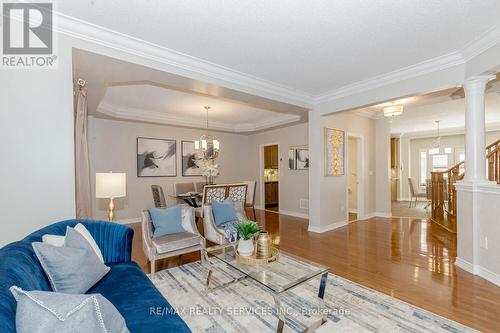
(109, 186)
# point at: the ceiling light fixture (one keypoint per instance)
(207, 145)
(393, 110)
(437, 144)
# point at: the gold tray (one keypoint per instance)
(252, 260)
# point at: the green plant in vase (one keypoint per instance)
(246, 229)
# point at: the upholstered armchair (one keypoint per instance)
(174, 244)
(214, 233)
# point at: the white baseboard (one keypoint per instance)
(290, 213)
(387, 215)
(287, 212)
(326, 228)
(478, 270)
(465, 265)
(129, 221)
(489, 275)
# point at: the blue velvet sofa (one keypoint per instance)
(126, 286)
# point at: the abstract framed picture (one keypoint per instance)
(291, 159)
(302, 158)
(334, 152)
(189, 166)
(156, 157)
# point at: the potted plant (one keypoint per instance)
(246, 229)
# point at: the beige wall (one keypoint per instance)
(294, 184)
(333, 188)
(112, 146)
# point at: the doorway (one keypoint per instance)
(354, 178)
(270, 177)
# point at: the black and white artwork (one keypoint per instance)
(291, 159)
(156, 157)
(302, 158)
(189, 167)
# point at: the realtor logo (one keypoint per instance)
(27, 35)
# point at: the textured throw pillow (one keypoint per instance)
(45, 311)
(166, 221)
(223, 211)
(59, 240)
(73, 268)
(54, 240)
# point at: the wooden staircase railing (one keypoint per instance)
(493, 158)
(444, 194)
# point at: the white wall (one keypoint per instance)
(36, 126)
(294, 184)
(333, 196)
(112, 145)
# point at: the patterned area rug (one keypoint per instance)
(246, 306)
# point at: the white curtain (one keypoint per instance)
(82, 172)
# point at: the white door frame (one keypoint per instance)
(360, 141)
(261, 174)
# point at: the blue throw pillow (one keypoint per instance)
(73, 268)
(45, 311)
(166, 221)
(223, 211)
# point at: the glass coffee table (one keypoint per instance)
(278, 276)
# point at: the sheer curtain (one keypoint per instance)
(82, 167)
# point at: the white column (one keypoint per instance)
(475, 156)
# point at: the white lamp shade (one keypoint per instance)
(110, 185)
(393, 110)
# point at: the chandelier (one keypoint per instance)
(207, 146)
(437, 143)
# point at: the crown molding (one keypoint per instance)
(422, 68)
(487, 40)
(183, 64)
(173, 120)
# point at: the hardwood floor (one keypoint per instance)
(410, 259)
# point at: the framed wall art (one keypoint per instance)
(334, 152)
(189, 166)
(156, 157)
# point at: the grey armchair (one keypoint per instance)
(174, 244)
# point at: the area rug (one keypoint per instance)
(246, 306)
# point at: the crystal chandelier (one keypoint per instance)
(207, 146)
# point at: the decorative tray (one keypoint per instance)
(252, 260)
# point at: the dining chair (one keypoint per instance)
(181, 188)
(171, 245)
(198, 186)
(250, 200)
(158, 196)
(414, 192)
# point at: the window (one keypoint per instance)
(439, 162)
(423, 167)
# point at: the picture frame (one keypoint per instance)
(188, 155)
(156, 157)
(302, 158)
(334, 152)
(291, 159)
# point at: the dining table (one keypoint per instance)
(189, 198)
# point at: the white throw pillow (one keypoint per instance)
(56, 240)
